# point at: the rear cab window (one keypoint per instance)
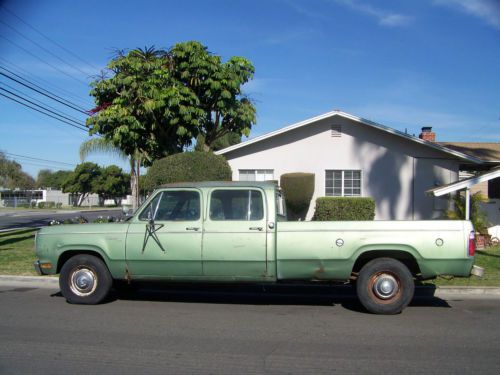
(236, 205)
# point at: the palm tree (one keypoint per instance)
(103, 145)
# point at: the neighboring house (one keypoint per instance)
(17, 197)
(352, 156)
(489, 152)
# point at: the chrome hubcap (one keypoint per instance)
(83, 282)
(385, 286)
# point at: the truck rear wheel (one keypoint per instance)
(85, 279)
(385, 286)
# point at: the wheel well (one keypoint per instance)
(404, 257)
(71, 253)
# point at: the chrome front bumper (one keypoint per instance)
(37, 267)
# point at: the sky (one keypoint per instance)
(404, 64)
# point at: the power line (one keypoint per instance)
(44, 108)
(43, 61)
(49, 39)
(51, 96)
(37, 159)
(38, 101)
(46, 114)
(43, 48)
(40, 80)
(35, 164)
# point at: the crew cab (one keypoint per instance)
(237, 232)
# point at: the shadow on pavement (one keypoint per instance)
(304, 295)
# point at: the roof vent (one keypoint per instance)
(336, 131)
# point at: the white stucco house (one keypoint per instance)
(352, 156)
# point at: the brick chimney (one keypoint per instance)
(427, 134)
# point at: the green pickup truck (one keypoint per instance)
(237, 232)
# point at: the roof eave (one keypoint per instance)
(387, 129)
(464, 184)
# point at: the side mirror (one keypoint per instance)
(151, 220)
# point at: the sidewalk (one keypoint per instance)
(444, 292)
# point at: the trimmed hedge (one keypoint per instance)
(344, 208)
(188, 167)
(299, 189)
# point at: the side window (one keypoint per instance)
(236, 205)
(176, 205)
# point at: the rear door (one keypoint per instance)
(234, 239)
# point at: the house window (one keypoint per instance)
(343, 183)
(256, 174)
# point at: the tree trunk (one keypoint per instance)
(134, 187)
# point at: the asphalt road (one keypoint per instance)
(35, 219)
(218, 332)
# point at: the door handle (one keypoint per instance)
(256, 228)
(193, 228)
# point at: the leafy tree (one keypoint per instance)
(142, 108)
(12, 175)
(111, 184)
(153, 103)
(221, 143)
(218, 88)
(106, 146)
(82, 181)
(48, 179)
(188, 167)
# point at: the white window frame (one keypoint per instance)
(343, 182)
(256, 173)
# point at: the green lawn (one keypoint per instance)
(17, 256)
(489, 259)
(17, 252)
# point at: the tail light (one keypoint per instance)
(472, 244)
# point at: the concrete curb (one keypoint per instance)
(420, 291)
(29, 281)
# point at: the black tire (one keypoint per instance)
(385, 286)
(85, 280)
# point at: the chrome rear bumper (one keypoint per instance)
(477, 271)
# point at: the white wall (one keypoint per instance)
(396, 172)
(492, 211)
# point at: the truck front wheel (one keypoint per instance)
(85, 279)
(385, 286)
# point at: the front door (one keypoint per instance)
(234, 239)
(164, 240)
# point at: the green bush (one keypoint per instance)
(478, 217)
(298, 189)
(50, 204)
(188, 167)
(41, 204)
(344, 208)
(59, 205)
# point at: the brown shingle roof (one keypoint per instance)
(487, 151)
